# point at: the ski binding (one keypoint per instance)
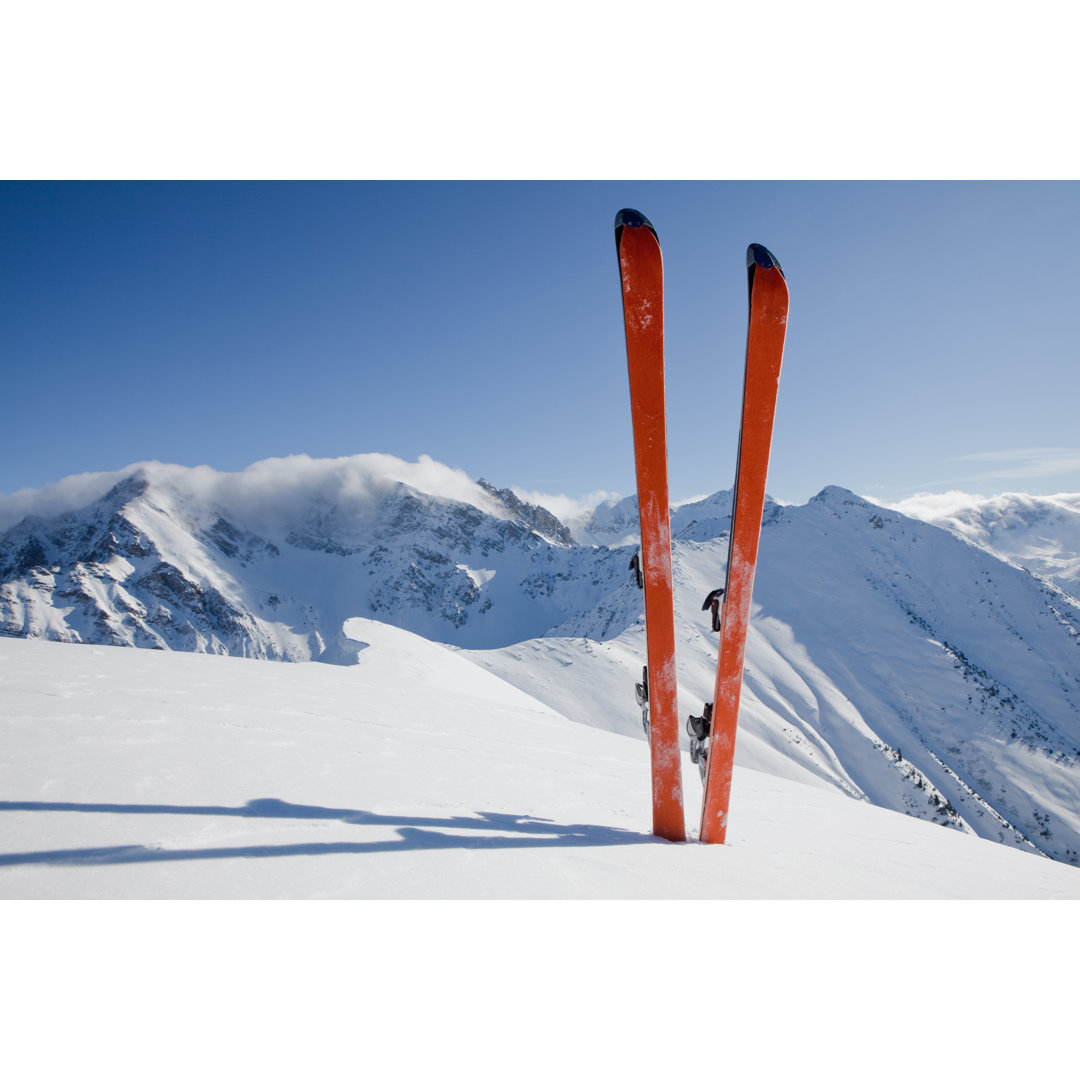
(712, 604)
(641, 692)
(699, 728)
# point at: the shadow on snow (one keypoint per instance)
(413, 833)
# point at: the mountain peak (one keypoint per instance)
(537, 518)
(833, 495)
(132, 486)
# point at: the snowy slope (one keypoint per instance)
(1038, 532)
(410, 773)
(889, 659)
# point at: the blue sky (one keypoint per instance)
(931, 343)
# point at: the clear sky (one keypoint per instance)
(931, 342)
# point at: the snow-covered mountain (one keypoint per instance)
(615, 523)
(1038, 532)
(269, 562)
(889, 659)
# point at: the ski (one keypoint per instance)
(712, 744)
(642, 275)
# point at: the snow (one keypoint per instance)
(475, 818)
(887, 659)
(1038, 532)
(410, 774)
(479, 578)
(451, 803)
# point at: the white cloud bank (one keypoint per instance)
(270, 487)
(569, 510)
(954, 505)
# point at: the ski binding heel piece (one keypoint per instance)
(641, 693)
(698, 728)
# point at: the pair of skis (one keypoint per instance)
(713, 733)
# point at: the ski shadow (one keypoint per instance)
(484, 830)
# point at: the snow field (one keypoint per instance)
(516, 908)
(411, 774)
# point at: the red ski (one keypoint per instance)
(764, 352)
(642, 272)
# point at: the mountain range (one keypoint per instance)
(928, 667)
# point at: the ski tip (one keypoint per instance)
(760, 255)
(631, 219)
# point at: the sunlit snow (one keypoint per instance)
(410, 773)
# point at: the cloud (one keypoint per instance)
(267, 492)
(1004, 473)
(927, 506)
(1025, 464)
(71, 493)
(566, 508)
(954, 506)
(353, 479)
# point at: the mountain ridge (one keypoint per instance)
(889, 658)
